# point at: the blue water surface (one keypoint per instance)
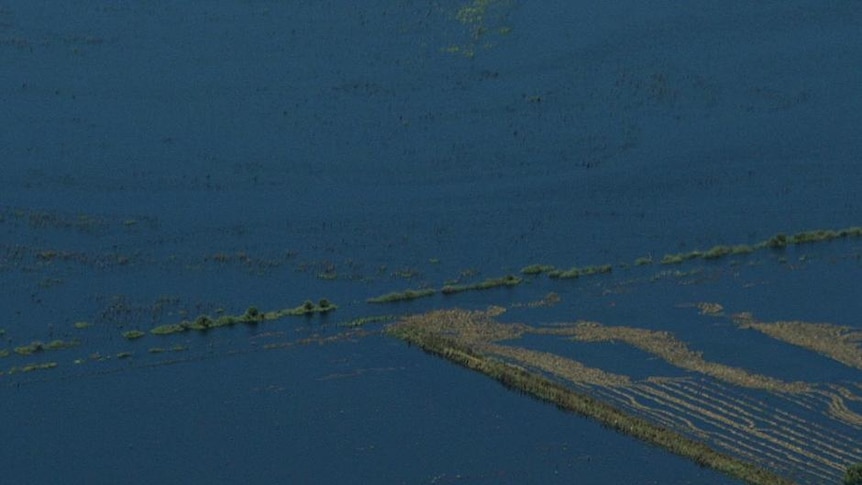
(162, 160)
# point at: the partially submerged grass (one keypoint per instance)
(169, 329)
(251, 316)
(39, 346)
(308, 308)
(535, 269)
(776, 242)
(33, 367)
(58, 344)
(508, 280)
(578, 272)
(402, 296)
(717, 252)
(814, 236)
(680, 257)
(837, 342)
(643, 261)
(133, 334)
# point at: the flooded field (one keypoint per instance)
(227, 232)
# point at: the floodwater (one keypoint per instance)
(162, 161)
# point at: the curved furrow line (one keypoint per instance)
(618, 397)
(791, 453)
(797, 441)
(812, 476)
(800, 430)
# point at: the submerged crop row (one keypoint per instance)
(467, 351)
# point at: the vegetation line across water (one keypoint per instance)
(777, 242)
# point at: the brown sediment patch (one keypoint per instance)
(464, 326)
(478, 330)
(840, 343)
(558, 366)
(550, 299)
(664, 345)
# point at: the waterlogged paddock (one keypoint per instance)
(721, 412)
(754, 427)
(214, 222)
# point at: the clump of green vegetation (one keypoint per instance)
(850, 232)
(4, 353)
(672, 259)
(156, 350)
(592, 270)
(124, 355)
(578, 272)
(202, 322)
(570, 273)
(169, 329)
(225, 321)
(31, 348)
(680, 257)
(741, 249)
(33, 367)
(133, 334)
(454, 288)
(814, 236)
(717, 252)
(508, 280)
(252, 315)
(643, 261)
(778, 241)
(83, 325)
(309, 308)
(61, 344)
(853, 475)
(402, 296)
(39, 346)
(535, 269)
